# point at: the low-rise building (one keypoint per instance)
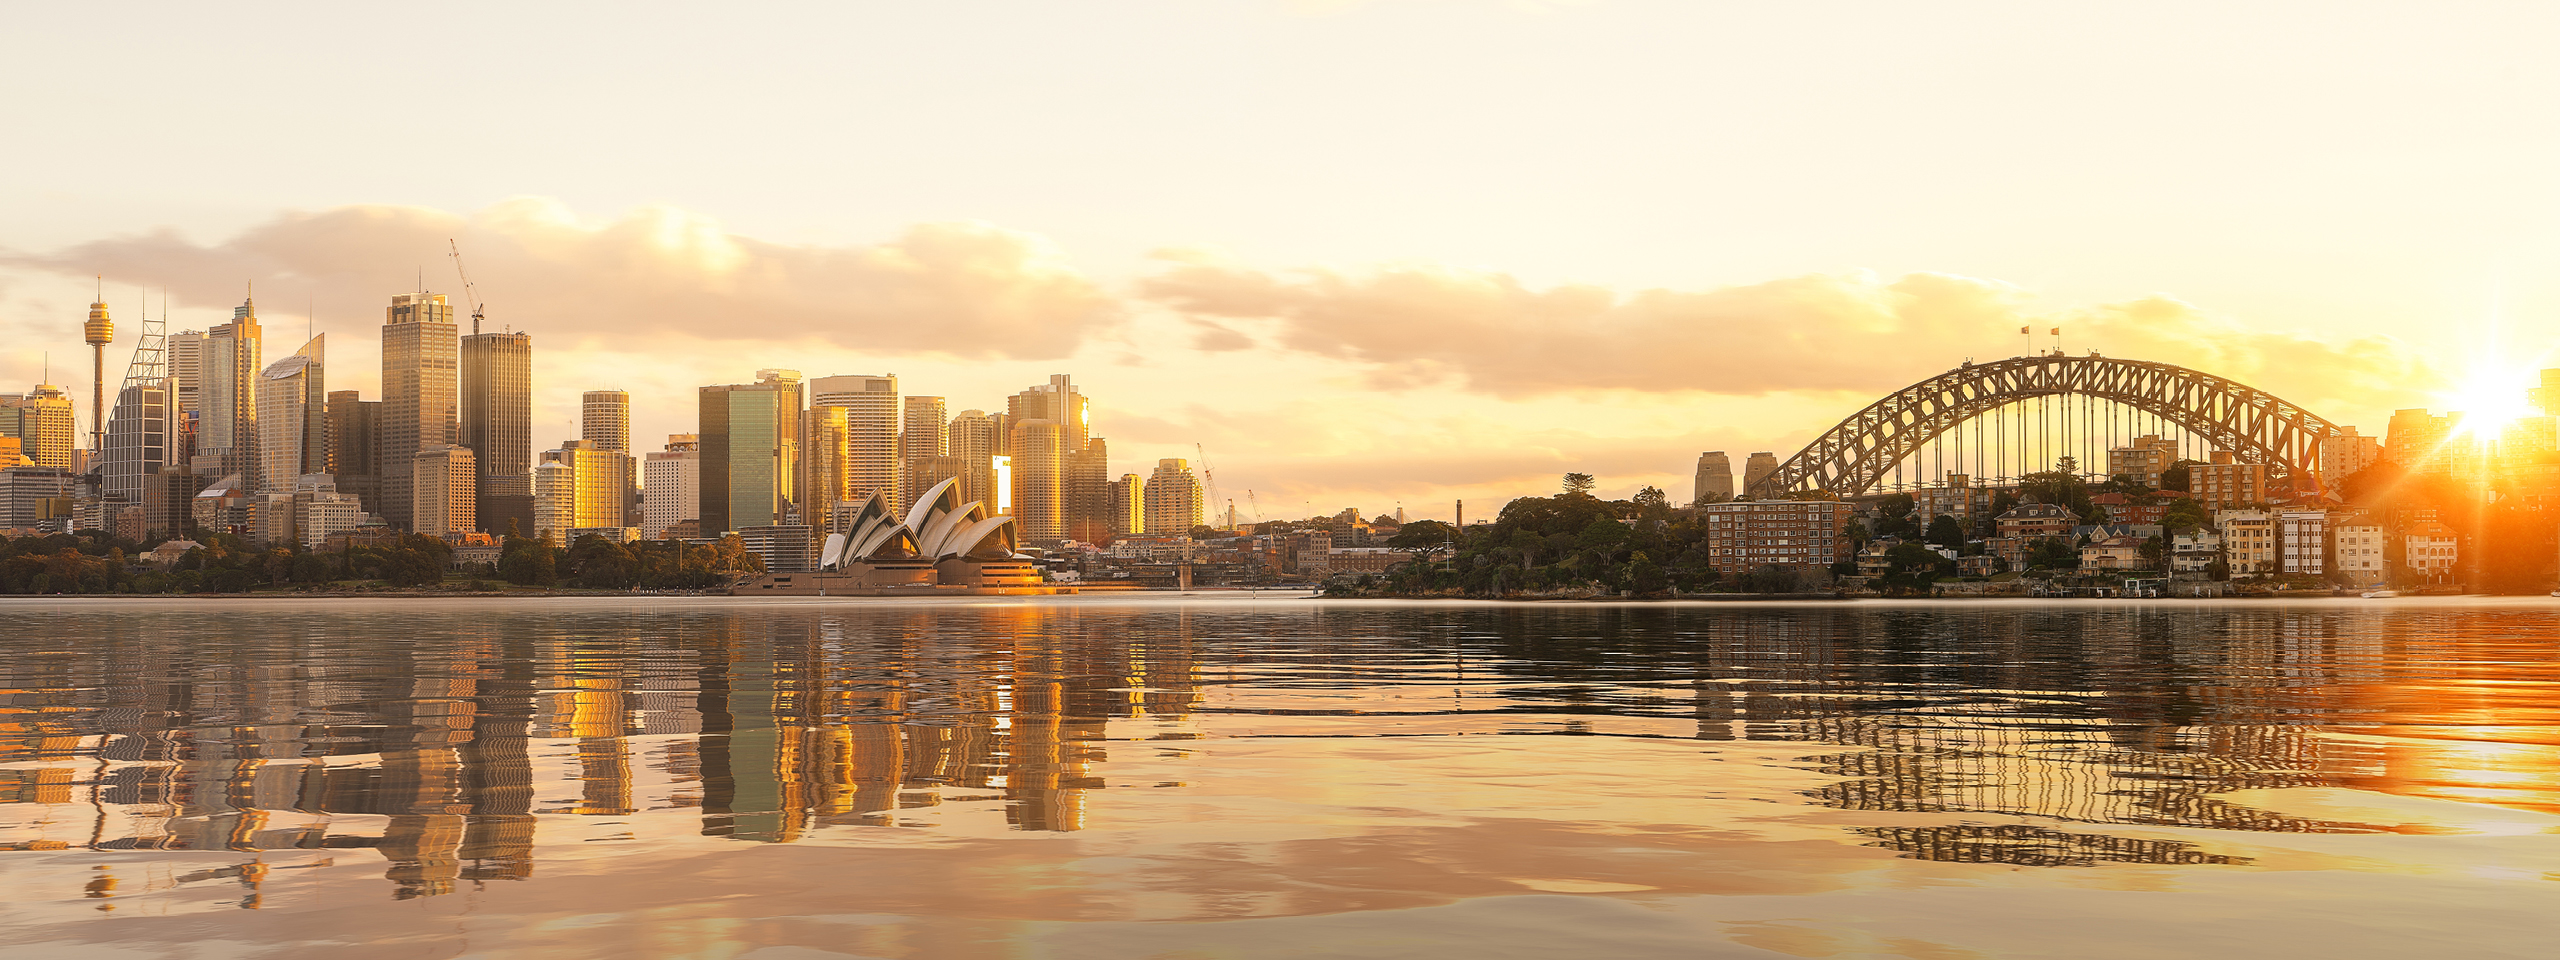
(2429, 551)
(2114, 553)
(2191, 552)
(2027, 523)
(2248, 541)
(2358, 551)
(1363, 559)
(786, 548)
(1971, 565)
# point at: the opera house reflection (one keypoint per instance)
(451, 745)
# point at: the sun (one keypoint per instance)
(2491, 397)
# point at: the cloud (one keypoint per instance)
(1419, 325)
(959, 289)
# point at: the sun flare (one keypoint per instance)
(2489, 399)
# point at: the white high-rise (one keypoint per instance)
(1175, 500)
(671, 485)
(293, 419)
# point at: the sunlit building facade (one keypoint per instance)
(1175, 501)
(420, 357)
(293, 417)
(750, 449)
(671, 485)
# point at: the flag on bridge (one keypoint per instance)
(2024, 330)
(2057, 331)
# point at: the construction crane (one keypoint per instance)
(1255, 502)
(1210, 477)
(468, 292)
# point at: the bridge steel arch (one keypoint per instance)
(1853, 456)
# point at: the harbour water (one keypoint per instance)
(1278, 777)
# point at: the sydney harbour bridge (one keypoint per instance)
(2004, 419)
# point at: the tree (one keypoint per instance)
(1652, 504)
(2175, 478)
(527, 562)
(2184, 515)
(1425, 539)
(1946, 532)
(1893, 517)
(1578, 484)
(2053, 553)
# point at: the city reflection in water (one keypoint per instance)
(447, 739)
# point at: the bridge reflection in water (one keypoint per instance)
(445, 742)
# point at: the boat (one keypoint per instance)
(2388, 594)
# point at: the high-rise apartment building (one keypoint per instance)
(354, 460)
(924, 429)
(871, 415)
(293, 418)
(604, 419)
(1715, 478)
(495, 402)
(444, 485)
(1756, 469)
(2423, 443)
(671, 485)
(589, 492)
(227, 421)
(44, 424)
(2227, 481)
(749, 452)
(1175, 501)
(420, 357)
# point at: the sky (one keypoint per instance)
(1365, 254)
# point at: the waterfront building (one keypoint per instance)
(293, 418)
(749, 451)
(589, 492)
(1175, 502)
(2114, 553)
(43, 423)
(2429, 550)
(227, 423)
(786, 548)
(2359, 552)
(444, 490)
(2345, 453)
(354, 460)
(2226, 481)
(420, 357)
(1758, 467)
(2192, 551)
(2248, 540)
(2026, 523)
(671, 486)
(1807, 535)
(2143, 460)
(2302, 542)
(1715, 478)
(495, 403)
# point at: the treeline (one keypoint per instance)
(93, 563)
(1569, 541)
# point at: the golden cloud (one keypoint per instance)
(1486, 331)
(961, 289)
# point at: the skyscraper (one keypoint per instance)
(1081, 466)
(826, 458)
(227, 420)
(749, 452)
(140, 434)
(974, 443)
(354, 447)
(1715, 478)
(44, 424)
(871, 431)
(590, 494)
(1129, 505)
(186, 369)
(1039, 480)
(1175, 501)
(672, 485)
(604, 419)
(419, 359)
(293, 418)
(495, 398)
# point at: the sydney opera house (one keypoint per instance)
(941, 544)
